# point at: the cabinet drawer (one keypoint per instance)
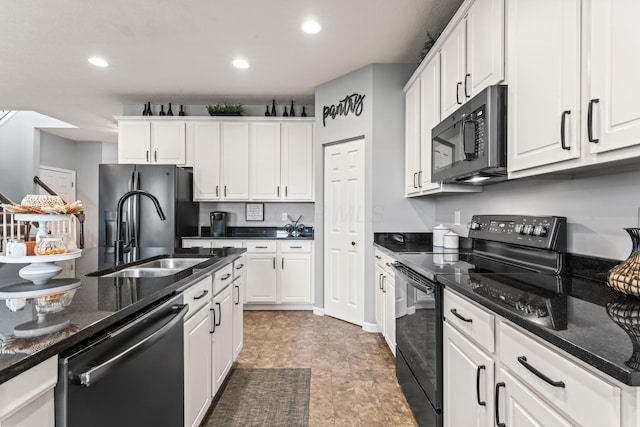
(222, 278)
(581, 395)
(227, 244)
(471, 320)
(198, 295)
(239, 267)
(261, 246)
(294, 247)
(196, 243)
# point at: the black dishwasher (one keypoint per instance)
(133, 376)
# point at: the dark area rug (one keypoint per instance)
(263, 397)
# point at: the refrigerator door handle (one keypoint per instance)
(135, 230)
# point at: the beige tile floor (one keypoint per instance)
(352, 372)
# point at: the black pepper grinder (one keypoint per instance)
(273, 108)
(292, 113)
(169, 112)
(181, 113)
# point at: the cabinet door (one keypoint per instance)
(468, 377)
(484, 46)
(134, 140)
(612, 76)
(412, 139)
(453, 57)
(380, 302)
(197, 243)
(168, 143)
(295, 278)
(197, 366)
(222, 337)
(264, 153)
(389, 290)
(239, 284)
(544, 84)
(429, 118)
(235, 161)
(261, 278)
(519, 406)
(297, 161)
(206, 161)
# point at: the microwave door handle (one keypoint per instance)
(469, 139)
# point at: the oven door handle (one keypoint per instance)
(424, 287)
(93, 374)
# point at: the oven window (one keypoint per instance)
(417, 339)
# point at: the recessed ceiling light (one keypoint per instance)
(240, 63)
(311, 27)
(98, 62)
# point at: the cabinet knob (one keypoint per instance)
(353, 243)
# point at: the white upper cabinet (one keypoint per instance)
(544, 83)
(472, 55)
(235, 160)
(429, 118)
(264, 163)
(612, 76)
(206, 161)
(412, 139)
(297, 162)
(151, 142)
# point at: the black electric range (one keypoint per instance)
(516, 260)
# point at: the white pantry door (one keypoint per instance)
(344, 231)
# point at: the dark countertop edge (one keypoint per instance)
(247, 238)
(385, 250)
(115, 320)
(602, 365)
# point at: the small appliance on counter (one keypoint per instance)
(218, 223)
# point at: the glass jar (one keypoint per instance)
(50, 246)
(16, 247)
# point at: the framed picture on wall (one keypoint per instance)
(254, 212)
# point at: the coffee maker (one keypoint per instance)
(218, 223)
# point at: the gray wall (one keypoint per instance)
(597, 207)
(382, 126)
(272, 214)
(20, 148)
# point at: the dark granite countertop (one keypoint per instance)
(99, 304)
(255, 233)
(602, 325)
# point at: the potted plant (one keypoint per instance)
(225, 109)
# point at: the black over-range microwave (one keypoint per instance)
(470, 146)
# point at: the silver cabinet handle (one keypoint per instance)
(217, 192)
(286, 191)
(295, 247)
(225, 191)
(274, 263)
(283, 263)
(261, 247)
(155, 156)
(278, 190)
(147, 156)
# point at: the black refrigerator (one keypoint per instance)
(140, 223)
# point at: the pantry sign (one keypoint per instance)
(351, 104)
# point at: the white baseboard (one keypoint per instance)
(318, 311)
(303, 307)
(370, 327)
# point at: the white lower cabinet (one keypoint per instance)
(467, 381)
(279, 272)
(239, 285)
(197, 366)
(197, 352)
(526, 383)
(386, 299)
(27, 399)
(222, 337)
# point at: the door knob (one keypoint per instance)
(353, 243)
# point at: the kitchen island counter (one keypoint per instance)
(99, 304)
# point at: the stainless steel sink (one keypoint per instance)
(179, 263)
(144, 272)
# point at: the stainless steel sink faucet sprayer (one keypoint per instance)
(119, 244)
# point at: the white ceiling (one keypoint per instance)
(181, 51)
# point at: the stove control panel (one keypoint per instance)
(545, 232)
